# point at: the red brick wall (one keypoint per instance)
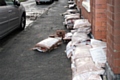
(99, 19)
(86, 14)
(113, 35)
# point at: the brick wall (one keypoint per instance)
(113, 35)
(86, 14)
(99, 19)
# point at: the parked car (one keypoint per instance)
(43, 1)
(12, 16)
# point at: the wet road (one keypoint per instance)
(34, 11)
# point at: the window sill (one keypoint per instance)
(86, 5)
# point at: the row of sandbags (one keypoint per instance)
(78, 27)
(81, 29)
(88, 59)
(70, 15)
(72, 18)
(88, 56)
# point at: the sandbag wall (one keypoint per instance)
(88, 56)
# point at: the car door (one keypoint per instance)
(13, 11)
(3, 18)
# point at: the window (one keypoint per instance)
(86, 5)
(9, 2)
(2, 3)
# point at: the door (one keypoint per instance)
(3, 18)
(13, 12)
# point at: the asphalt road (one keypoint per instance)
(19, 62)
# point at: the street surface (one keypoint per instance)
(34, 11)
(19, 62)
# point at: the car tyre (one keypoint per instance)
(23, 22)
(37, 3)
(52, 1)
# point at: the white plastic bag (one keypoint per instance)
(97, 43)
(98, 55)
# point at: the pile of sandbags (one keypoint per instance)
(77, 36)
(81, 29)
(86, 62)
(70, 15)
(73, 21)
(88, 56)
(50, 43)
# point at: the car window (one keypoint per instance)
(2, 3)
(9, 2)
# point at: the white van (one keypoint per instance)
(41, 1)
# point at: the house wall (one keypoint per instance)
(86, 14)
(99, 19)
(113, 35)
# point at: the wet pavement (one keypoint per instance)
(34, 11)
(19, 62)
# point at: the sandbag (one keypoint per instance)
(82, 51)
(94, 77)
(79, 37)
(70, 11)
(97, 43)
(84, 65)
(85, 29)
(47, 44)
(76, 14)
(68, 36)
(86, 76)
(72, 17)
(69, 50)
(81, 23)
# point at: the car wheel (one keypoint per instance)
(37, 3)
(23, 22)
(52, 0)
